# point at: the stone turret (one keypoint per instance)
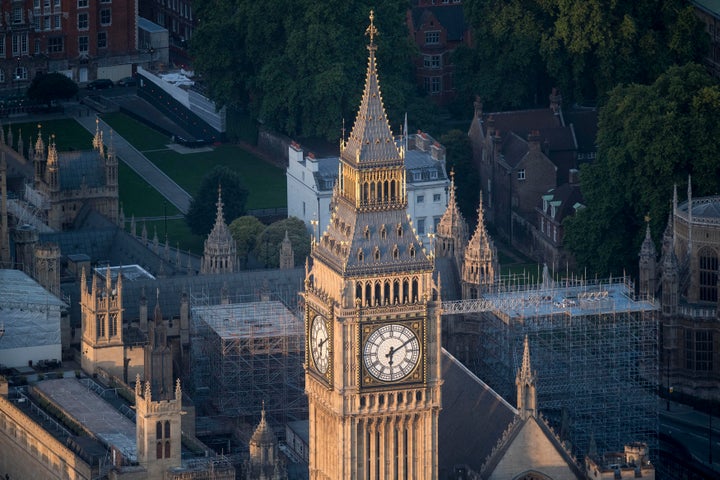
(264, 463)
(452, 231)
(525, 381)
(647, 264)
(670, 272)
(480, 264)
(287, 256)
(220, 252)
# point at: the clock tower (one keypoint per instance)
(372, 316)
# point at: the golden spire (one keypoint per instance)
(371, 30)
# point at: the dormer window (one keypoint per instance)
(376, 253)
(366, 232)
(411, 251)
(399, 231)
(360, 255)
(396, 252)
(383, 232)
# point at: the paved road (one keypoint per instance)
(141, 165)
(691, 427)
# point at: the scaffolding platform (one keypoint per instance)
(594, 346)
(247, 354)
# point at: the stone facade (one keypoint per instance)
(687, 278)
(70, 181)
(371, 316)
(220, 252)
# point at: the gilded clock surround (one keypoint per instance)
(311, 316)
(417, 374)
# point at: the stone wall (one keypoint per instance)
(28, 451)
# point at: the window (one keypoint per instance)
(699, 350)
(82, 44)
(433, 174)
(432, 38)
(36, 4)
(2, 76)
(2, 46)
(431, 61)
(433, 85)
(521, 174)
(105, 1)
(46, 23)
(102, 42)
(37, 46)
(55, 44)
(708, 275)
(82, 23)
(105, 16)
(57, 3)
(421, 226)
(420, 199)
(17, 14)
(158, 430)
(436, 222)
(56, 24)
(82, 3)
(436, 197)
(20, 44)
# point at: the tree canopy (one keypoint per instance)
(201, 214)
(267, 247)
(245, 231)
(650, 137)
(302, 73)
(585, 47)
(45, 88)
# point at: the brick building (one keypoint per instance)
(178, 18)
(437, 27)
(81, 38)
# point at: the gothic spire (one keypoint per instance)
(647, 249)
(525, 383)
(371, 140)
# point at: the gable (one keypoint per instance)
(530, 450)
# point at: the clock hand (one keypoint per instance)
(320, 343)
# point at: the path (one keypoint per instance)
(140, 164)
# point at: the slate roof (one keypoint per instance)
(708, 207)
(472, 420)
(78, 167)
(451, 18)
(568, 195)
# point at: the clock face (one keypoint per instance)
(391, 353)
(319, 347)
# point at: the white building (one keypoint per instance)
(310, 182)
(29, 321)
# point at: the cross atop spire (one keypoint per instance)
(371, 30)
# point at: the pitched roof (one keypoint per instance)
(371, 141)
(472, 420)
(450, 17)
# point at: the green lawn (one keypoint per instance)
(69, 135)
(139, 198)
(265, 183)
(178, 233)
(137, 133)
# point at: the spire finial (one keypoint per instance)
(371, 30)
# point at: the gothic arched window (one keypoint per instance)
(708, 274)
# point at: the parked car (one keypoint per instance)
(99, 84)
(127, 82)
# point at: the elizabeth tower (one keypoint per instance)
(372, 316)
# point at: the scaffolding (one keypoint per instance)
(247, 354)
(594, 346)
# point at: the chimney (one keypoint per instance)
(437, 152)
(534, 141)
(422, 141)
(574, 176)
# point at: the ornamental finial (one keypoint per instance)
(371, 30)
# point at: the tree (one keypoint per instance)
(45, 88)
(267, 247)
(300, 73)
(201, 214)
(584, 47)
(246, 230)
(650, 137)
